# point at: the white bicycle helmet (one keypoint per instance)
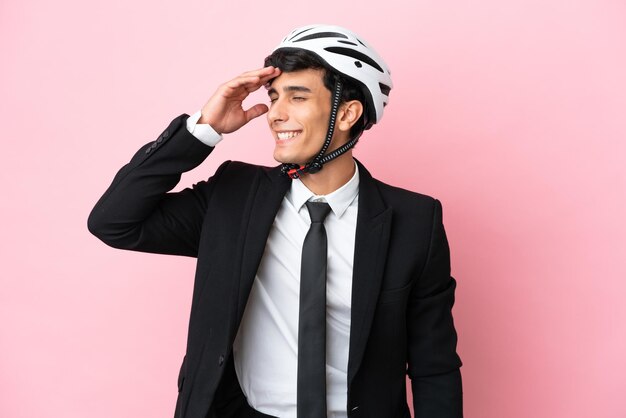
(353, 59)
(348, 54)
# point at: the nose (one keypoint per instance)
(277, 112)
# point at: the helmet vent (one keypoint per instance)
(322, 35)
(347, 42)
(384, 89)
(358, 64)
(299, 33)
(354, 54)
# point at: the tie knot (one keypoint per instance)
(318, 211)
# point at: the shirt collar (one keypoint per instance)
(339, 200)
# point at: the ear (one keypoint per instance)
(348, 114)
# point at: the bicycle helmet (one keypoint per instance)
(347, 54)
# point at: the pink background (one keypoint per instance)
(510, 112)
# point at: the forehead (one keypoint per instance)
(310, 79)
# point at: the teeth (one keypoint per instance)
(287, 135)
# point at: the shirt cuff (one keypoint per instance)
(202, 131)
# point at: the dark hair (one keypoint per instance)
(294, 59)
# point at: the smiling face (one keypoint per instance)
(298, 115)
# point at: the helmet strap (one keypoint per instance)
(295, 170)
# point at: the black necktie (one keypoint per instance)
(312, 322)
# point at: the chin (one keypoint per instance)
(286, 158)
(280, 157)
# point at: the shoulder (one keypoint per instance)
(392, 195)
(408, 204)
(400, 197)
(240, 169)
(398, 194)
(231, 165)
(240, 177)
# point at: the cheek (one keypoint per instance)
(317, 120)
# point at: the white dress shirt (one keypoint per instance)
(266, 347)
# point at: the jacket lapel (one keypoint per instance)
(267, 195)
(370, 254)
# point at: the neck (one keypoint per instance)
(333, 175)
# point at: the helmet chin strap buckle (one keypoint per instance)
(295, 171)
(291, 170)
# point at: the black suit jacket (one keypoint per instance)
(402, 292)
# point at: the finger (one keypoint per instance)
(240, 88)
(255, 86)
(249, 83)
(242, 82)
(256, 111)
(264, 80)
(260, 72)
(263, 77)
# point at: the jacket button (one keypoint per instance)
(148, 150)
(220, 361)
(166, 134)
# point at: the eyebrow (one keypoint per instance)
(288, 89)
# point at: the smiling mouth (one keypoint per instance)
(287, 135)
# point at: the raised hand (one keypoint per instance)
(224, 110)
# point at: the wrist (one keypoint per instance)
(207, 120)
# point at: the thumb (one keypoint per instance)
(256, 111)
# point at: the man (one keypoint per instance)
(318, 288)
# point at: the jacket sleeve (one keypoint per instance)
(137, 213)
(433, 364)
